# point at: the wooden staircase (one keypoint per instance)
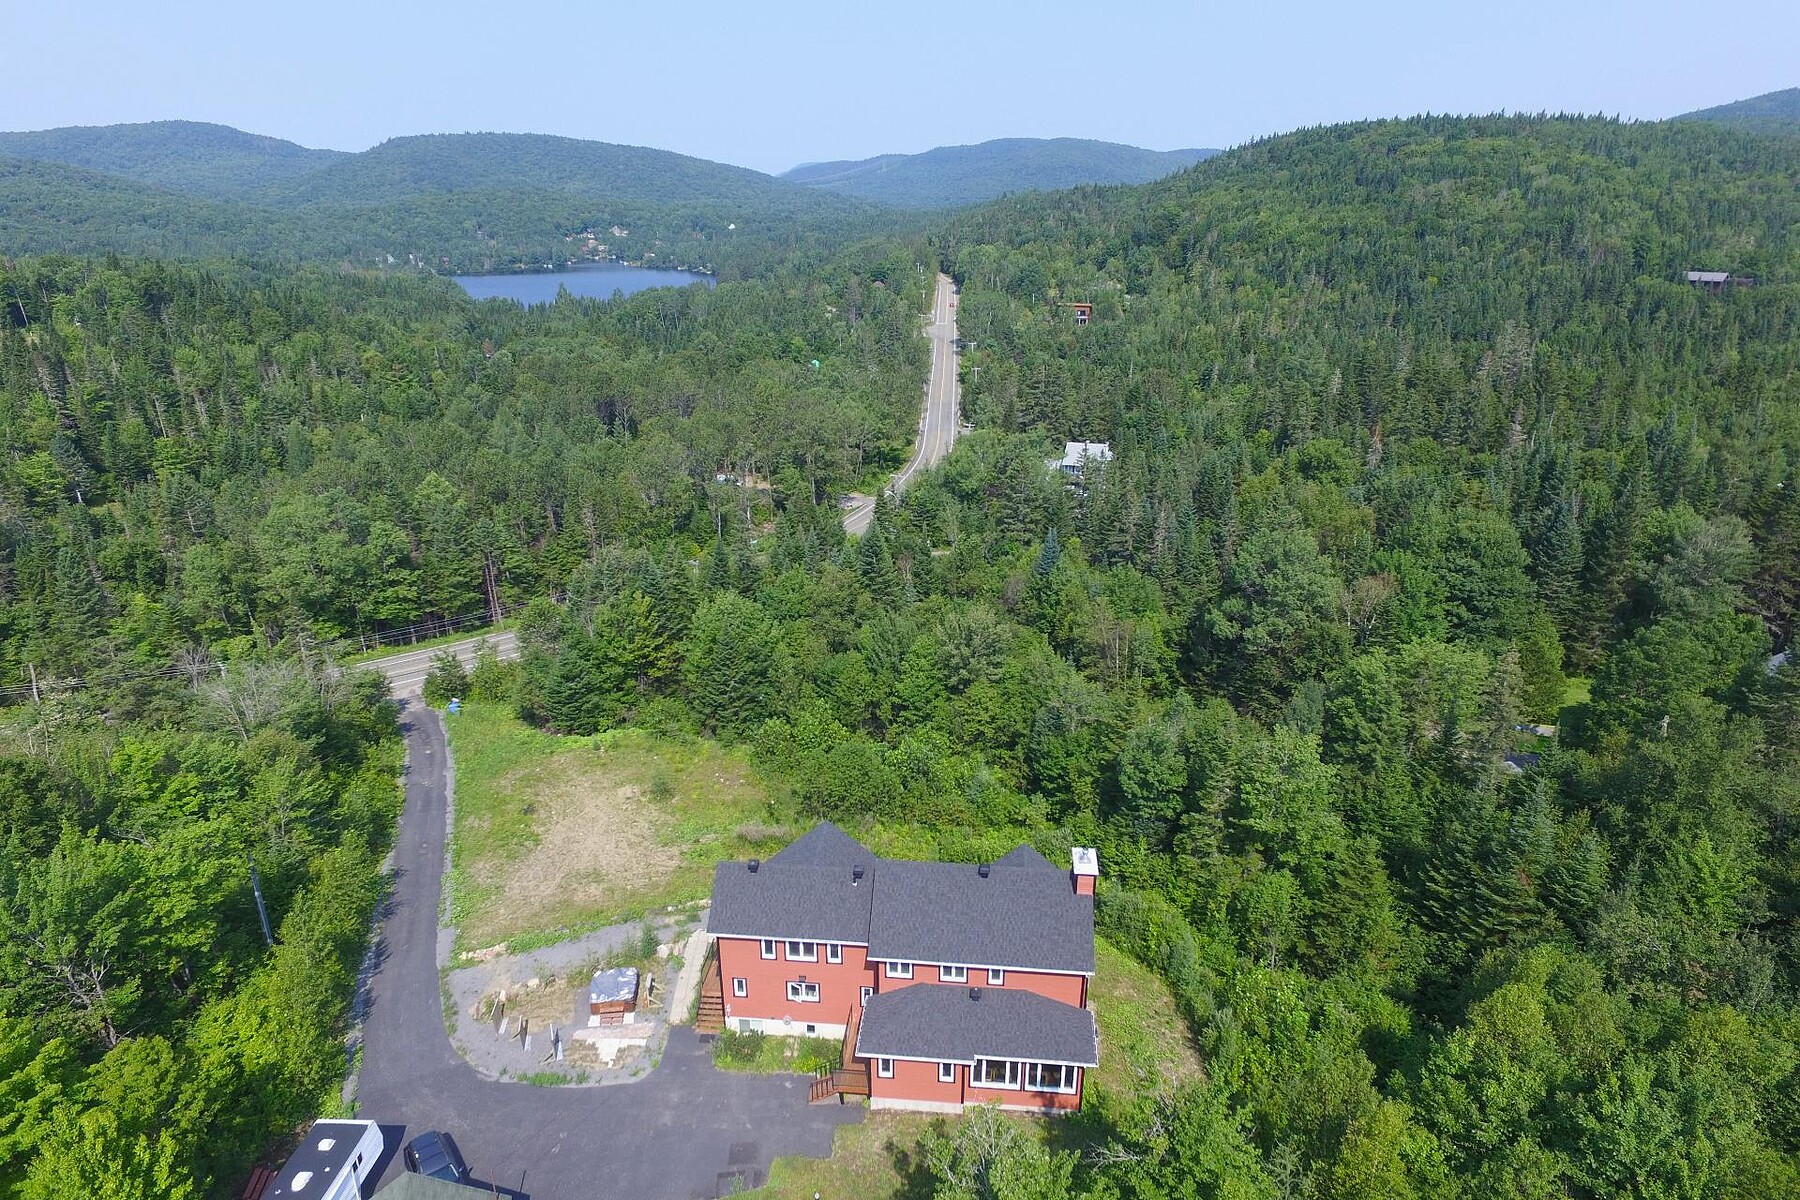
(843, 1081)
(709, 1018)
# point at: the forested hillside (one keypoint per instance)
(1420, 438)
(949, 176)
(1773, 112)
(214, 161)
(466, 202)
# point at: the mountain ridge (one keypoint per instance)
(1771, 112)
(952, 176)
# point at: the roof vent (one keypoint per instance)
(755, 863)
(301, 1180)
(974, 993)
(327, 1143)
(983, 870)
(856, 874)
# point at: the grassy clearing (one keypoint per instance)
(876, 1160)
(1577, 690)
(557, 835)
(1144, 1044)
(1143, 1039)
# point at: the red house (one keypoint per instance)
(951, 984)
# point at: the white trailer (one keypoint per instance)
(330, 1163)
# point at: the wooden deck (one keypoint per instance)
(844, 1081)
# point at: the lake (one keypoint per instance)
(598, 280)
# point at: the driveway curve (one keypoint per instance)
(685, 1132)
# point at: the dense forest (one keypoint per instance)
(1420, 442)
(948, 176)
(463, 202)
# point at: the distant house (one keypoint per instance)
(1084, 312)
(1081, 457)
(1718, 281)
(950, 983)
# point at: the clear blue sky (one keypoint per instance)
(771, 84)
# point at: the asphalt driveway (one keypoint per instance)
(686, 1132)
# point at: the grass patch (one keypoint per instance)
(1577, 690)
(1144, 1043)
(876, 1160)
(768, 1054)
(560, 835)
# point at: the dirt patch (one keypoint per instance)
(596, 845)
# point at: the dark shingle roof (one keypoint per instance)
(942, 1022)
(1024, 916)
(1025, 858)
(824, 845)
(1020, 917)
(815, 903)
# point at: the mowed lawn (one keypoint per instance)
(558, 835)
(1144, 1043)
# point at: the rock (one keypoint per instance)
(532, 984)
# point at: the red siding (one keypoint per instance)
(840, 984)
(1068, 989)
(917, 1082)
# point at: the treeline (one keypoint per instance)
(196, 458)
(151, 1044)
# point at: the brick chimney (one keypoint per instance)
(1085, 870)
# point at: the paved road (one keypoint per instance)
(406, 670)
(685, 1132)
(938, 426)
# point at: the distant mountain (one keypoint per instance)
(480, 202)
(954, 175)
(215, 161)
(406, 168)
(1773, 112)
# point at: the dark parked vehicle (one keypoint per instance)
(436, 1155)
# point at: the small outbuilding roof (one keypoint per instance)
(614, 986)
(1075, 453)
(1708, 276)
(950, 1023)
(423, 1187)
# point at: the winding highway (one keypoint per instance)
(938, 426)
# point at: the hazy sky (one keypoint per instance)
(777, 82)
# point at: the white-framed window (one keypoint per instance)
(1050, 1077)
(740, 987)
(884, 1068)
(866, 993)
(802, 992)
(946, 1072)
(950, 974)
(768, 947)
(996, 977)
(994, 1073)
(803, 951)
(834, 952)
(899, 970)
